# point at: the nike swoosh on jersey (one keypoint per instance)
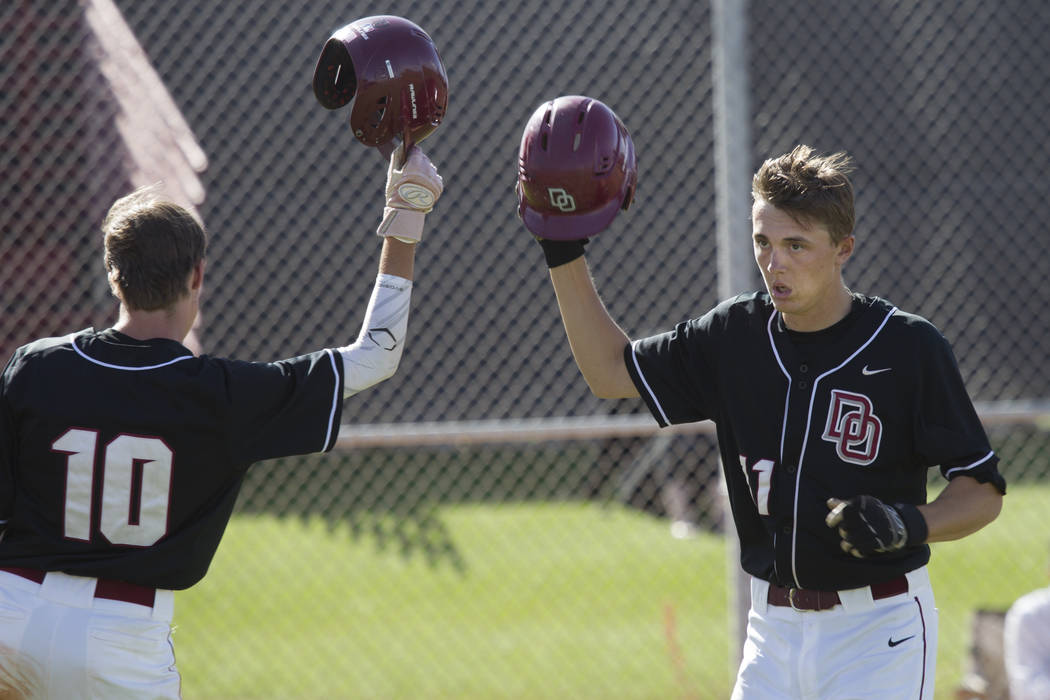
(868, 372)
(894, 642)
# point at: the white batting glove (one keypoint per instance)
(411, 191)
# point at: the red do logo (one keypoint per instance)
(853, 427)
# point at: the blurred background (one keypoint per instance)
(487, 528)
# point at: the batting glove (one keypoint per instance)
(560, 252)
(868, 526)
(412, 188)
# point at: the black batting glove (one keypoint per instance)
(561, 252)
(868, 526)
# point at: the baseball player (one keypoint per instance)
(830, 407)
(122, 453)
(1026, 646)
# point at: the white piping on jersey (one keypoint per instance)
(787, 395)
(335, 399)
(129, 369)
(331, 358)
(638, 368)
(982, 460)
(805, 436)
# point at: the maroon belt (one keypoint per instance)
(104, 588)
(810, 600)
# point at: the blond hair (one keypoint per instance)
(811, 188)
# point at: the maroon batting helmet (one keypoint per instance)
(392, 71)
(576, 169)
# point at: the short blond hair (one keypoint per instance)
(811, 188)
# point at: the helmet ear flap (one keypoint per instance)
(521, 198)
(335, 81)
(390, 68)
(628, 197)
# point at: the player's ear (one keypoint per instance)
(113, 276)
(845, 249)
(197, 276)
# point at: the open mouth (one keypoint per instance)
(779, 290)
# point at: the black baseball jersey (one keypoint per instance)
(866, 406)
(122, 458)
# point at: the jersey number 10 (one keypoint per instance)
(136, 487)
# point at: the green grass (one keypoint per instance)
(989, 569)
(538, 601)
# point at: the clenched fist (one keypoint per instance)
(868, 526)
(412, 188)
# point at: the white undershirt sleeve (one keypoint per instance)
(376, 353)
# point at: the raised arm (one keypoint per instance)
(412, 188)
(576, 172)
(596, 340)
(398, 258)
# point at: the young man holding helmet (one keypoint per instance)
(122, 452)
(830, 407)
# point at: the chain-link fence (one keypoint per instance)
(942, 105)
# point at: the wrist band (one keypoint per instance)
(918, 530)
(561, 252)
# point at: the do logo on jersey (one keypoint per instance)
(853, 427)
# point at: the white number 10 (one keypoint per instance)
(136, 487)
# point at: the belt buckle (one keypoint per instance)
(791, 600)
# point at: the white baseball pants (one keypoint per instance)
(57, 640)
(863, 649)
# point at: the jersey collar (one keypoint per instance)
(829, 347)
(111, 348)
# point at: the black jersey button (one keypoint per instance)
(786, 529)
(790, 468)
(803, 369)
(803, 384)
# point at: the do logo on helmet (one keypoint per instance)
(561, 199)
(576, 169)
